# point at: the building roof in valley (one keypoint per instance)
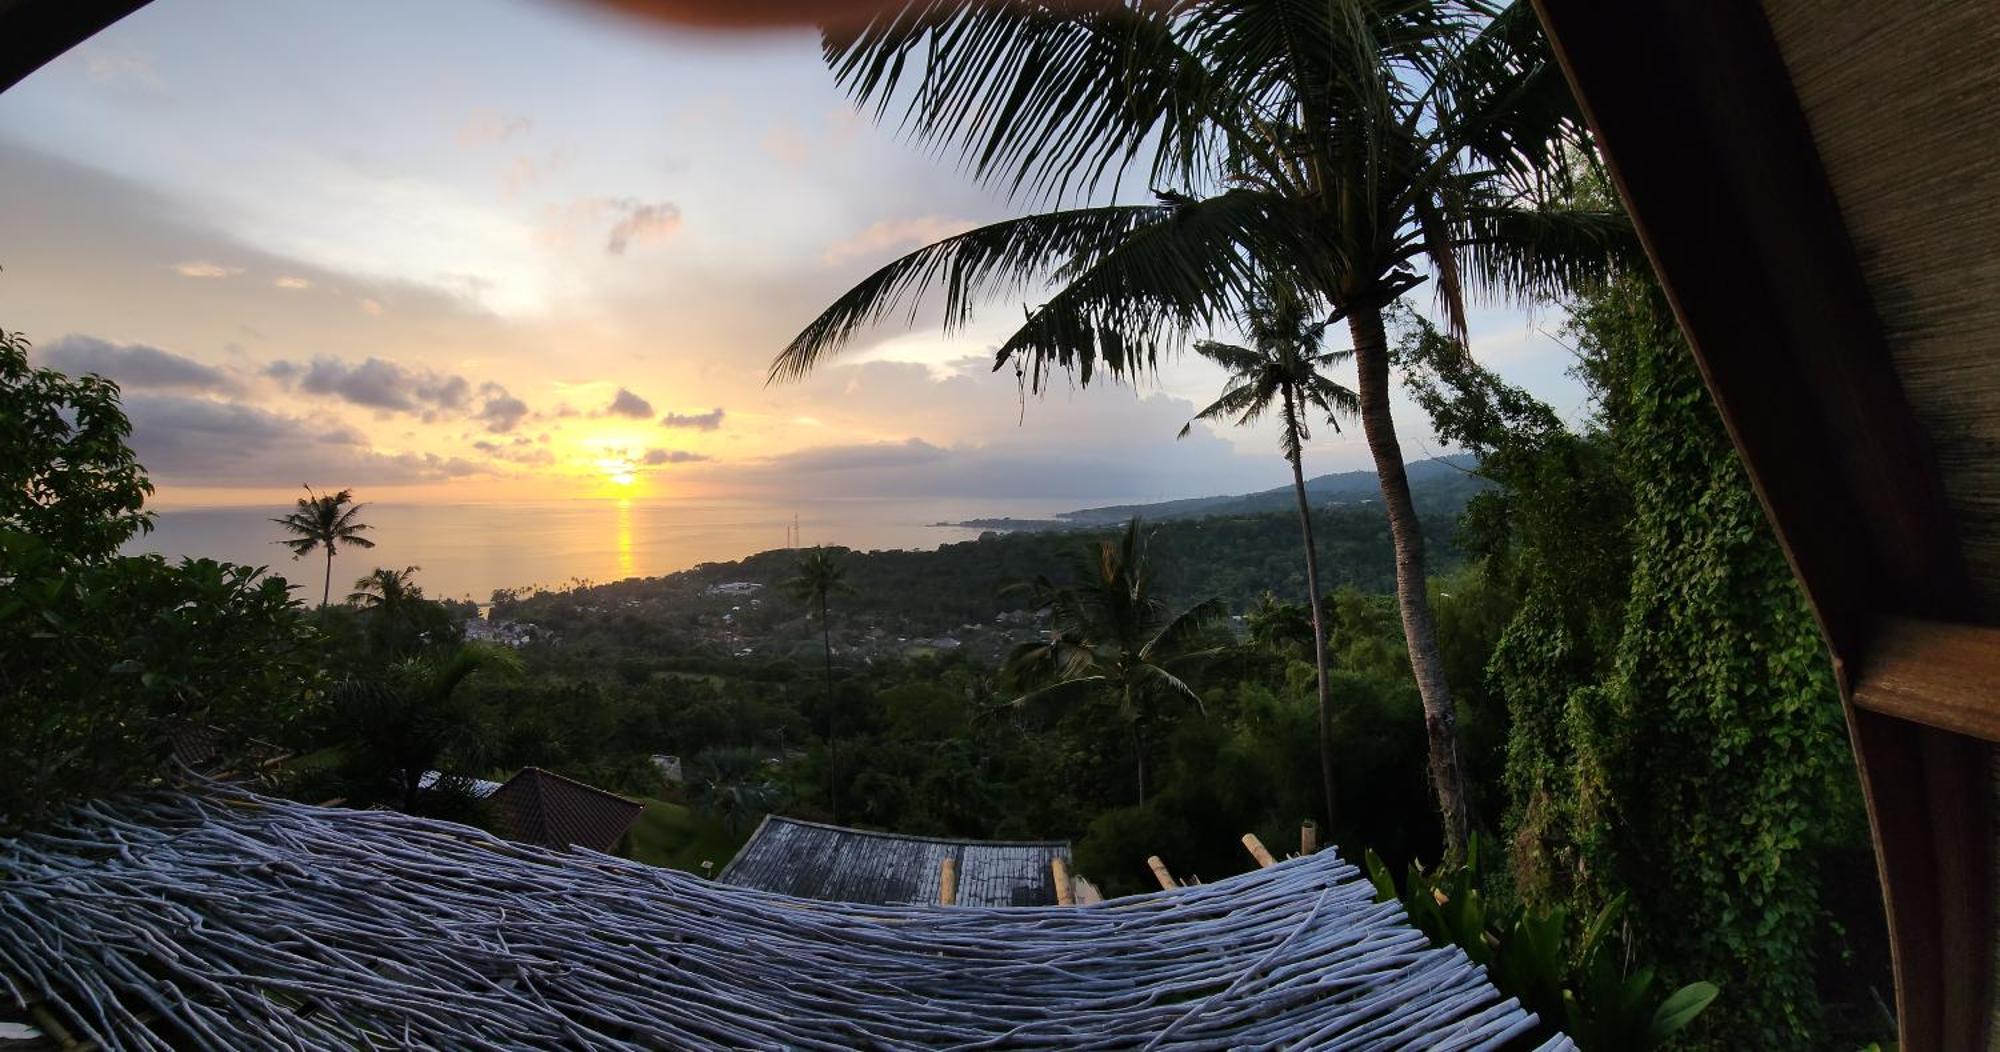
(341, 929)
(544, 808)
(816, 861)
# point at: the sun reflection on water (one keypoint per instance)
(625, 540)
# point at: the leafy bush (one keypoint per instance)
(1585, 987)
(106, 662)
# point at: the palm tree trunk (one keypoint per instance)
(832, 739)
(1371, 358)
(1294, 455)
(1139, 756)
(326, 590)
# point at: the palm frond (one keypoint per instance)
(1038, 96)
(977, 264)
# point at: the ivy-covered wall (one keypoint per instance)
(1686, 749)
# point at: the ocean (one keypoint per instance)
(468, 550)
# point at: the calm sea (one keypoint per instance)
(468, 550)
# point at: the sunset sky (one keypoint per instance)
(497, 249)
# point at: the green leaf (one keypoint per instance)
(1681, 1007)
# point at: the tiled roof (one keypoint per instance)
(837, 864)
(542, 807)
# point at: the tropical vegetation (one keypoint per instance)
(1336, 147)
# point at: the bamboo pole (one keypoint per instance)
(1160, 873)
(1065, 892)
(1308, 837)
(948, 882)
(1256, 848)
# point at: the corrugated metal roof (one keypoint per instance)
(836, 864)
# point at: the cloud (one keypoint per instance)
(641, 223)
(490, 127)
(628, 404)
(371, 307)
(196, 268)
(286, 281)
(134, 365)
(499, 411)
(708, 421)
(376, 383)
(655, 457)
(632, 222)
(910, 451)
(344, 435)
(895, 235)
(196, 440)
(382, 384)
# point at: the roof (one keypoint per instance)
(545, 808)
(837, 864)
(412, 932)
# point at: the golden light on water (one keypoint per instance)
(625, 561)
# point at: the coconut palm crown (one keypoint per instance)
(324, 522)
(1351, 148)
(1283, 371)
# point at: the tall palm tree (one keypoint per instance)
(324, 521)
(1338, 145)
(822, 576)
(1283, 369)
(386, 590)
(1109, 631)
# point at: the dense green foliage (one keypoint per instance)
(107, 662)
(1577, 979)
(1676, 739)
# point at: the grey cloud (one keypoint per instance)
(445, 392)
(628, 404)
(190, 440)
(860, 457)
(708, 421)
(134, 365)
(382, 384)
(499, 411)
(376, 383)
(641, 222)
(655, 457)
(344, 435)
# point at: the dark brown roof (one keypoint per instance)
(542, 807)
(837, 864)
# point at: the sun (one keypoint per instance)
(622, 478)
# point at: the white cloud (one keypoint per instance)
(196, 268)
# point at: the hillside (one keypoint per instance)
(1442, 484)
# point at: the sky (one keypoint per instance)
(496, 250)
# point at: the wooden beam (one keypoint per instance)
(1065, 891)
(1693, 108)
(1160, 873)
(1938, 674)
(948, 882)
(1257, 851)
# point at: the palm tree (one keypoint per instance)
(820, 577)
(1337, 146)
(1108, 631)
(386, 590)
(1284, 369)
(324, 522)
(396, 726)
